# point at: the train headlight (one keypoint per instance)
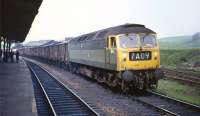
(124, 55)
(156, 54)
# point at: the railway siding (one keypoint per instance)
(182, 76)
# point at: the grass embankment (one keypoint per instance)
(184, 58)
(179, 91)
(179, 57)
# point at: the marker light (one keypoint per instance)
(124, 55)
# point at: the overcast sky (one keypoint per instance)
(58, 19)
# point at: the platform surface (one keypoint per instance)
(16, 90)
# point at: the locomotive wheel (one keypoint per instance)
(112, 82)
(100, 77)
(95, 76)
(100, 80)
(77, 70)
(73, 70)
(104, 77)
(147, 83)
(156, 86)
(109, 81)
(124, 86)
(141, 83)
(70, 68)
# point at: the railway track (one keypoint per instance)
(182, 76)
(53, 98)
(167, 105)
(158, 102)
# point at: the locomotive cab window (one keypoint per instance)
(113, 42)
(128, 41)
(148, 40)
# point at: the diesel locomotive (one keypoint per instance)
(125, 56)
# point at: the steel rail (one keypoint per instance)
(82, 102)
(188, 107)
(157, 108)
(70, 91)
(167, 105)
(182, 76)
(43, 90)
(196, 107)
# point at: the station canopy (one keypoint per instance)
(16, 18)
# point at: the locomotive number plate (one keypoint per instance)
(140, 55)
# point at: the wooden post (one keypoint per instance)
(0, 48)
(4, 49)
(0, 42)
(4, 44)
(9, 45)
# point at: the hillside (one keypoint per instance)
(180, 42)
(185, 57)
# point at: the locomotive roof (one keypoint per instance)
(121, 29)
(53, 44)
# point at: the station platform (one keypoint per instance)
(16, 90)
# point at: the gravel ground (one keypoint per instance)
(103, 100)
